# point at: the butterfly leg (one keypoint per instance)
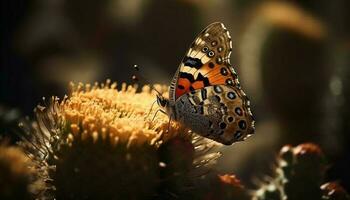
(169, 123)
(155, 114)
(150, 110)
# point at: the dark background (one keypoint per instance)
(292, 58)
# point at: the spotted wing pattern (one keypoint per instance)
(206, 63)
(206, 93)
(220, 112)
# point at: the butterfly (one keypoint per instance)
(205, 94)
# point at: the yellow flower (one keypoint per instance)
(122, 116)
(103, 137)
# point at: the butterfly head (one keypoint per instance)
(166, 105)
(162, 102)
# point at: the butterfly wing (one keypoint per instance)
(206, 91)
(206, 63)
(219, 112)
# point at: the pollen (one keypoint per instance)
(122, 115)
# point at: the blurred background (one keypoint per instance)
(292, 57)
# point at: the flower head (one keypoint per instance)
(103, 137)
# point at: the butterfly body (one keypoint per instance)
(205, 94)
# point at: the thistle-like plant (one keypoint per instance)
(101, 142)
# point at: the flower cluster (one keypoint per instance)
(108, 142)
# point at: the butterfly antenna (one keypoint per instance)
(139, 76)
